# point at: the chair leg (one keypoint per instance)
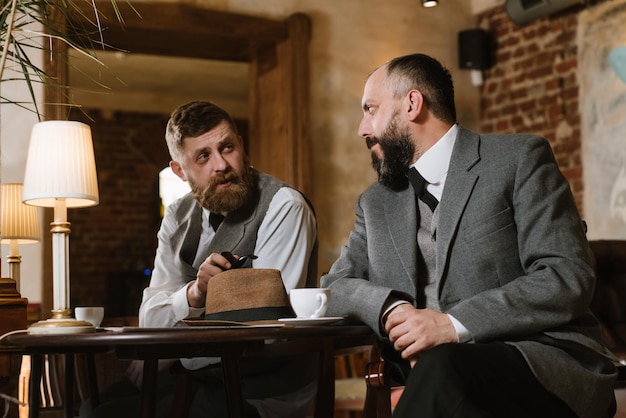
(183, 393)
(378, 397)
(377, 403)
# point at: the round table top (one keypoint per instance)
(181, 336)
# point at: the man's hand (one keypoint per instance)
(413, 330)
(196, 292)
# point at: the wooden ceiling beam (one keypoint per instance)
(175, 29)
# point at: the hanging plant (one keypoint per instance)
(20, 34)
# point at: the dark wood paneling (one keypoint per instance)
(177, 30)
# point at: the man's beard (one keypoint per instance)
(219, 200)
(398, 153)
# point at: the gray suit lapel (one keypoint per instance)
(457, 191)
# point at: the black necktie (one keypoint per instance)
(419, 186)
(215, 219)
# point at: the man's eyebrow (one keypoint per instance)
(202, 150)
(229, 139)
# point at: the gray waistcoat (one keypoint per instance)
(237, 233)
(427, 283)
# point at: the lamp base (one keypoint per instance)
(61, 326)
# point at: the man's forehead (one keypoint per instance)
(375, 88)
(221, 132)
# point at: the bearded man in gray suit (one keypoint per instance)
(480, 304)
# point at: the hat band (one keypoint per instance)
(252, 314)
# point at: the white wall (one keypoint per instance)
(15, 127)
(479, 6)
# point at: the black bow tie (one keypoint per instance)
(215, 219)
(419, 186)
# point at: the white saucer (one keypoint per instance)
(301, 322)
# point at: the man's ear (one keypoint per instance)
(415, 102)
(178, 170)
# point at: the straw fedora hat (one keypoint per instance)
(247, 295)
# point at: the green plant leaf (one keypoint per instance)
(18, 39)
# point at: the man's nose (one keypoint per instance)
(364, 129)
(219, 162)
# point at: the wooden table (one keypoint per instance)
(231, 344)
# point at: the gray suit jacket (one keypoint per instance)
(512, 261)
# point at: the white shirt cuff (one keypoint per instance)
(181, 307)
(462, 333)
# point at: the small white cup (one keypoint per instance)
(93, 314)
(309, 302)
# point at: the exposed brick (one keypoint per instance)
(502, 126)
(541, 72)
(125, 222)
(546, 71)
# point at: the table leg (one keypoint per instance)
(16, 369)
(34, 394)
(325, 400)
(69, 386)
(148, 388)
(92, 379)
(232, 385)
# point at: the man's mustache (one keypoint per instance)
(230, 176)
(370, 142)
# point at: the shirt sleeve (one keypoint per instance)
(286, 237)
(164, 302)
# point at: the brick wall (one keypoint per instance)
(533, 87)
(113, 243)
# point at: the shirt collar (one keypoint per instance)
(433, 164)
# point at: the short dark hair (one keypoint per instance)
(430, 77)
(193, 119)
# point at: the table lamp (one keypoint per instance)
(60, 174)
(19, 224)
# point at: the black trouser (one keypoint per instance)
(476, 380)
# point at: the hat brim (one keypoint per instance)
(199, 322)
(262, 313)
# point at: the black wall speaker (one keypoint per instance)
(475, 49)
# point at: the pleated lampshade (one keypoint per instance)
(61, 165)
(17, 221)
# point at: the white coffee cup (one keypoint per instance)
(93, 314)
(309, 302)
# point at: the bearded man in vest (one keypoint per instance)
(231, 208)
